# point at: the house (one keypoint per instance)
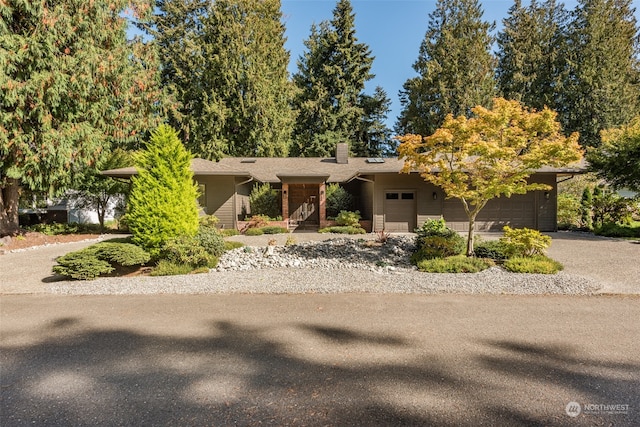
(386, 198)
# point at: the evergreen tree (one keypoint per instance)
(330, 81)
(604, 69)
(226, 65)
(531, 57)
(71, 86)
(162, 204)
(374, 139)
(455, 68)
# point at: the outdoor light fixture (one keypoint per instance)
(435, 195)
(547, 195)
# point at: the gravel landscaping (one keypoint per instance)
(339, 265)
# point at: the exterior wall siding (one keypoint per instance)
(220, 198)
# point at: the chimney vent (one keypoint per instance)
(342, 153)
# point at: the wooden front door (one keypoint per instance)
(303, 205)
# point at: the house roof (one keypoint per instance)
(275, 169)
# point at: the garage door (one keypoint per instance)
(400, 211)
(518, 211)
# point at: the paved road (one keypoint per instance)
(366, 360)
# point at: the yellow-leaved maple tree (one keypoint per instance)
(489, 155)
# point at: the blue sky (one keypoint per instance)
(393, 29)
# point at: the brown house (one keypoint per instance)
(386, 198)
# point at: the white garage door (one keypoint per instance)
(400, 211)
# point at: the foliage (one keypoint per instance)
(254, 232)
(226, 232)
(208, 221)
(330, 81)
(382, 236)
(342, 229)
(610, 229)
(586, 205)
(454, 264)
(602, 90)
(265, 201)
(608, 206)
(435, 240)
(617, 159)
(169, 268)
(99, 259)
(71, 87)
(569, 211)
(211, 240)
(455, 68)
(231, 245)
(337, 199)
(187, 250)
(273, 229)
(532, 54)
(97, 191)
(162, 204)
(490, 155)
(225, 64)
(524, 242)
(494, 249)
(56, 228)
(348, 218)
(538, 264)
(290, 241)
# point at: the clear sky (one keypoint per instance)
(393, 29)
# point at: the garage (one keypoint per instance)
(517, 212)
(400, 211)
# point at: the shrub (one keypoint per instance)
(569, 211)
(539, 264)
(342, 229)
(186, 250)
(493, 249)
(169, 268)
(210, 240)
(338, 199)
(350, 219)
(162, 204)
(609, 229)
(226, 232)
(258, 221)
(55, 228)
(524, 242)
(99, 259)
(264, 200)
(290, 241)
(454, 264)
(436, 240)
(208, 221)
(230, 245)
(272, 229)
(254, 232)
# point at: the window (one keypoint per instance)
(407, 196)
(392, 196)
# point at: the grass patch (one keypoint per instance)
(254, 232)
(454, 264)
(343, 229)
(231, 245)
(538, 264)
(169, 268)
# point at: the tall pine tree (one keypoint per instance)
(330, 81)
(532, 52)
(226, 65)
(604, 83)
(455, 68)
(71, 87)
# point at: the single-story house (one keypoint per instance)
(386, 198)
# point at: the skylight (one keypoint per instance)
(375, 160)
(248, 160)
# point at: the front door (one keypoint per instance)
(303, 205)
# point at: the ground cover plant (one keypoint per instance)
(100, 259)
(454, 264)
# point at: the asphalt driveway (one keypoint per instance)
(307, 360)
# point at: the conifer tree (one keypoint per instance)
(455, 68)
(71, 86)
(374, 139)
(162, 203)
(330, 80)
(604, 84)
(532, 52)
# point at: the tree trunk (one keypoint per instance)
(472, 224)
(9, 197)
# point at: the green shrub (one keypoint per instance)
(162, 204)
(338, 199)
(343, 229)
(56, 228)
(349, 219)
(253, 232)
(493, 249)
(454, 264)
(523, 242)
(264, 200)
(226, 232)
(231, 245)
(272, 229)
(539, 264)
(99, 259)
(569, 211)
(186, 250)
(169, 268)
(436, 240)
(609, 229)
(210, 240)
(208, 221)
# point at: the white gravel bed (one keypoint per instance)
(335, 266)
